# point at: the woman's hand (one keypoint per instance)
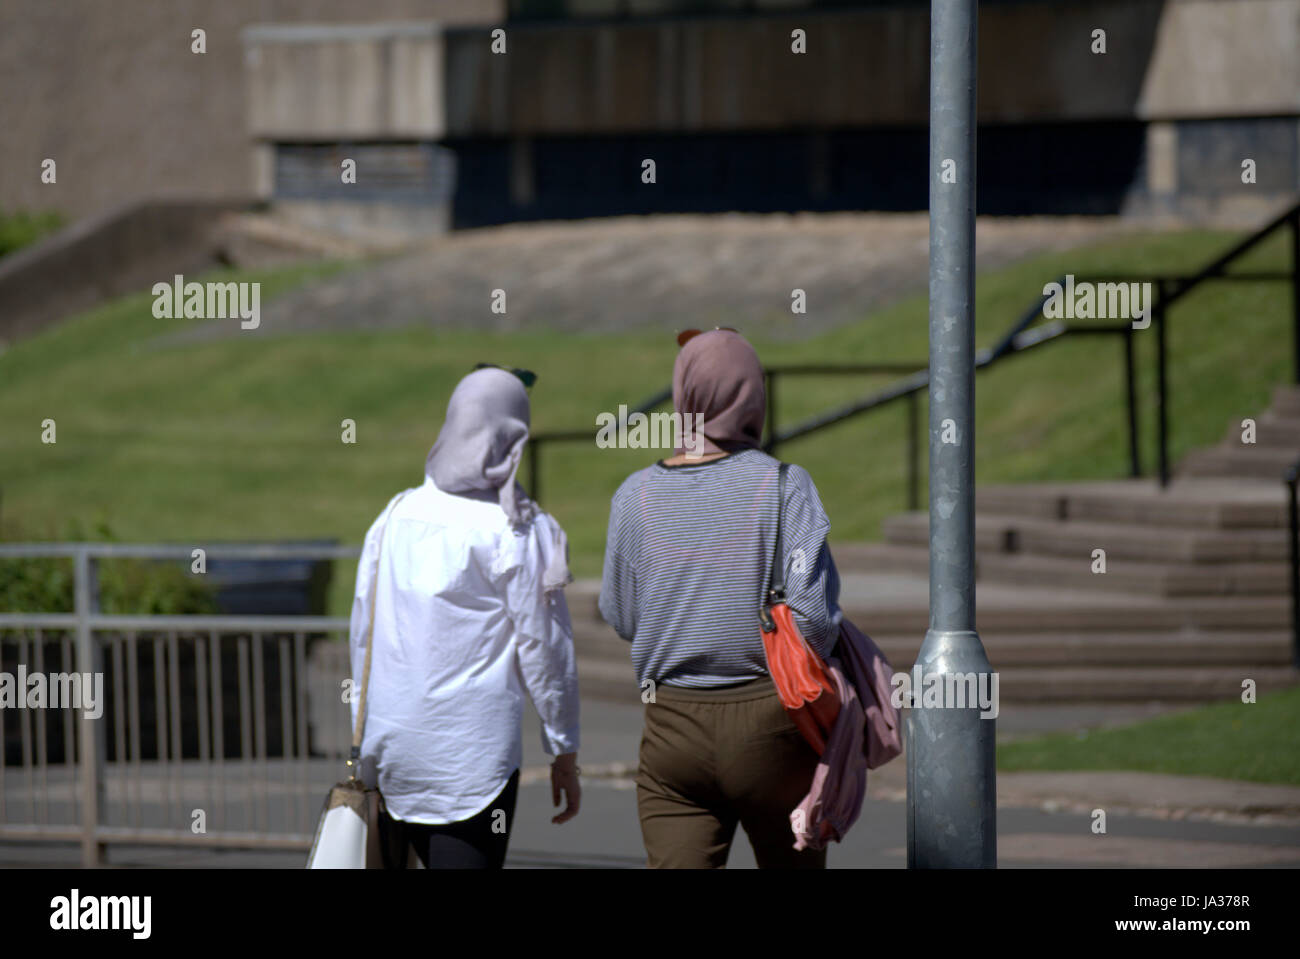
(564, 778)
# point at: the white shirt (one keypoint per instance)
(463, 627)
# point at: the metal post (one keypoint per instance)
(1294, 541)
(1295, 292)
(913, 453)
(951, 798)
(1162, 384)
(769, 388)
(1130, 378)
(91, 753)
(534, 476)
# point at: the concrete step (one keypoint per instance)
(1123, 576)
(1286, 401)
(880, 558)
(893, 601)
(1005, 533)
(885, 600)
(607, 682)
(1145, 684)
(600, 647)
(594, 640)
(1272, 429)
(1097, 617)
(1026, 684)
(913, 529)
(1193, 601)
(1156, 579)
(1248, 461)
(1054, 645)
(1073, 649)
(1189, 502)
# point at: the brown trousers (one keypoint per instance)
(712, 759)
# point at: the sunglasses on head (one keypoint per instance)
(685, 336)
(527, 377)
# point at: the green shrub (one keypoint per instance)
(126, 586)
(18, 230)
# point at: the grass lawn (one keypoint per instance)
(240, 437)
(1259, 742)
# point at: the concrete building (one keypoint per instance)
(112, 91)
(1185, 92)
(1086, 106)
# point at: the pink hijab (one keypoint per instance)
(718, 376)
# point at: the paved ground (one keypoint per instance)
(1043, 819)
(605, 834)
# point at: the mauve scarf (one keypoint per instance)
(479, 448)
(717, 376)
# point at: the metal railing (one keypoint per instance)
(206, 731)
(1020, 337)
(537, 440)
(188, 747)
(1291, 478)
(1023, 336)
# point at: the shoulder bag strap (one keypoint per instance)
(776, 590)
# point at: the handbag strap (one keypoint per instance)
(776, 578)
(358, 728)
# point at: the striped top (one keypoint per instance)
(687, 562)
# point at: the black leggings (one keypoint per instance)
(471, 843)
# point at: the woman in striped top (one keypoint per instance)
(687, 561)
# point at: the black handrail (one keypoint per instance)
(1021, 337)
(1291, 477)
(536, 440)
(1018, 338)
(911, 388)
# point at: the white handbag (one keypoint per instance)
(340, 841)
(350, 808)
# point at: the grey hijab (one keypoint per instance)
(479, 448)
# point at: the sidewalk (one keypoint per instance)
(611, 735)
(1044, 819)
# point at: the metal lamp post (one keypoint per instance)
(951, 797)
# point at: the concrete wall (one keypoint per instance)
(347, 82)
(1158, 123)
(111, 91)
(1217, 59)
(1165, 59)
(103, 256)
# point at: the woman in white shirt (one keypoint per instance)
(469, 616)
